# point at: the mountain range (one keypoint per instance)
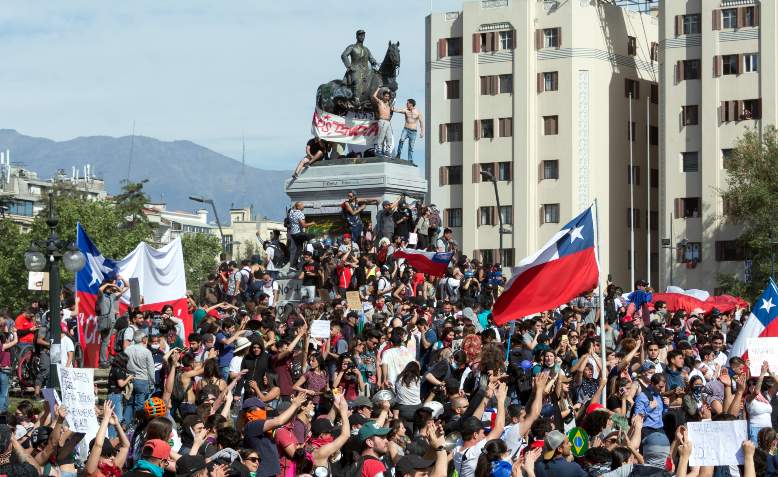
(175, 170)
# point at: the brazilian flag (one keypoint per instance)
(579, 441)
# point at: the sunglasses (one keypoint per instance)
(253, 459)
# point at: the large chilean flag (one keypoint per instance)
(563, 269)
(161, 277)
(431, 263)
(761, 323)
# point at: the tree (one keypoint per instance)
(14, 295)
(200, 258)
(749, 198)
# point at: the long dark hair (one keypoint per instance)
(410, 374)
(493, 450)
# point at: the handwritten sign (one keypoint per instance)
(354, 300)
(320, 329)
(78, 396)
(349, 129)
(38, 281)
(761, 350)
(709, 447)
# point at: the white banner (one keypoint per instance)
(347, 130)
(78, 396)
(761, 350)
(709, 447)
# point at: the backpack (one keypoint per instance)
(287, 222)
(279, 256)
(355, 469)
(382, 254)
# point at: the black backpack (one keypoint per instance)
(355, 469)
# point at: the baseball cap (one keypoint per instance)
(385, 203)
(357, 419)
(407, 465)
(189, 464)
(646, 366)
(347, 235)
(551, 443)
(156, 448)
(595, 406)
(370, 430)
(321, 426)
(361, 401)
(251, 403)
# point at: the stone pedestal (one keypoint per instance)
(323, 187)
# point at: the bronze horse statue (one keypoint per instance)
(337, 97)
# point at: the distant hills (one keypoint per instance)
(174, 169)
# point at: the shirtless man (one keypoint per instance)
(412, 118)
(384, 113)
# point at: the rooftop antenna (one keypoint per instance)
(243, 156)
(132, 146)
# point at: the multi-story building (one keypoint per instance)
(172, 224)
(539, 94)
(246, 232)
(714, 86)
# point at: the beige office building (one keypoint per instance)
(714, 86)
(538, 94)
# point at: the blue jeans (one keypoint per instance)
(118, 408)
(356, 232)
(140, 392)
(5, 383)
(410, 135)
(753, 433)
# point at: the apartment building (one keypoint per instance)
(715, 85)
(538, 94)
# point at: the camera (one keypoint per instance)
(469, 273)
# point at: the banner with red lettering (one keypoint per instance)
(347, 130)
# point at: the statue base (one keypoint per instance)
(323, 188)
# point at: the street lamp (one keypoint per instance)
(204, 200)
(43, 255)
(490, 177)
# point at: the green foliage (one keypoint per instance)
(749, 195)
(13, 275)
(200, 253)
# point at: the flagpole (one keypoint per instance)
(648, 189)
(602, 297)
(631, 200)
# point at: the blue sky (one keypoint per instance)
(205, 71)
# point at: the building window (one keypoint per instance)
(750, 17)
(454, 46)
(729, 65)
(631, 88)
(654, 93)
(486, 128)
(450, 175)
(551, 38)
(691, 69)
(654, 179)
(631, 130)
(691, 24)
(506, 40)
(550, 213)
(506, 127)
(635, 174)
(506, 84)
(632, 46)
(653, 135)
(633, 217)
(752, 109)
(654, 53)
(506, 257)
(692, 252)
(20, 207)
(551, 169)
(452, 89)
(451, 132)
(504, 171)
(690, 161)
(550, 81)
(751, 62)
(487, 256)
(727, 155)
(687, 207)
(489, 85)
(729, 251)
(506, 214)
(729, 18)
(550, 125)
(486, 216)
(454, 217)
(690, 115)
(654, 218)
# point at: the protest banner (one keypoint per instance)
(349, 129)
(354, 301)
(761, 350)
(78, 396)
(710, 447)
(320, 329)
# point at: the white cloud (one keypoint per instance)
(205, 71)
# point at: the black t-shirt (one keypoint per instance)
(115, 374)
(404, 227)
(311, 274)
(315, 147)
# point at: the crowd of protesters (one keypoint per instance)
(418, 381)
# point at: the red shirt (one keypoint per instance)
(373, 468)
(285, 437)
(25, 324)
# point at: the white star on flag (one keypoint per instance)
(575, 234)
(767, 304)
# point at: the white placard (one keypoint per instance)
(761, 350)
(290, 289)
(38, 281)
(78, 396)
(320, 329)
(413, 238)
(717, 442)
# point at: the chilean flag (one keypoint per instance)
(431, 263)
(563, 269)
(761, 323)
(160, 275)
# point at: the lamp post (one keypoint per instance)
(490, 177)
(204, 200)
(44, 255)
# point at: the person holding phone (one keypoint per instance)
(652, 406)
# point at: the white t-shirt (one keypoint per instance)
(396, 359)
(235, 363)
(466, 460)
(270, 252)
(513, 439)
(270, 292)
(59, 354)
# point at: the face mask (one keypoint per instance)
(698, 390)
(155, 346)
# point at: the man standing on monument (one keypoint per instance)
(384, 114)
(358, 60)
(414, 123)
